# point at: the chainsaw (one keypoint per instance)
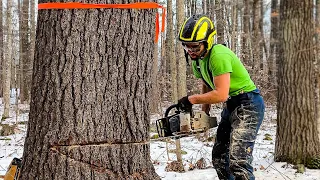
(182, 124)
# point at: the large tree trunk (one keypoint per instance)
(89, 112)
(296, 124)
(7, 63)
(25, 53)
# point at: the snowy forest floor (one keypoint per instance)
(193, 149)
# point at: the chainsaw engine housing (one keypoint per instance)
(183, 123)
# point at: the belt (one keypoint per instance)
(242, 98)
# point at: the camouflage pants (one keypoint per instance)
(236, 134)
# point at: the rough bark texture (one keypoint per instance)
(220, 20)
(7, 63)
(1, 50)
(318, 59)
(89, 112)
(246, 34)
(235, 27)
(155, 101)
(211, 9)
(182, 67)
(171, 57)
(25, 73)
(204, 6)
(32, 29)
(297, 128)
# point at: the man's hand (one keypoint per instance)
(184, 104)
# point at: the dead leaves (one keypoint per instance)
(175, 166)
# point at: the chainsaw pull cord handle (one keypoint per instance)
(170, 108)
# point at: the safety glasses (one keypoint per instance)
(192, 47)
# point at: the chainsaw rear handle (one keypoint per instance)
(170, 108)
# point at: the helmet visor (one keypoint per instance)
(193, 47)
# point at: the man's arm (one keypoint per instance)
(219, 94)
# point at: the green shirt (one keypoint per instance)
(222, 60)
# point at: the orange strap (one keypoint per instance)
(140, 5)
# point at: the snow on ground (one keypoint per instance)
(264, 165)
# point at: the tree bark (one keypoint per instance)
(7, 63)
(296, 121)
(24, 53)
(274, 44)
(317, 17)
(211, 9)
(256, 36)
(182, 66)
(246, 34)
(204, 6)
(32, 30)
(220, 20)
(1, 50)
(155, 83)
(171, 53)
(235, 26)
(193, 7)
(90, 97)
(263, 45)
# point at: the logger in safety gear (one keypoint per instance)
(225, 79)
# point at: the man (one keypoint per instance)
(225, 80)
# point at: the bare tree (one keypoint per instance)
(296, 118)
(1, 50)
(235, 26)
(32, 30)
(7, 63)
(256, 36)
(24, 52)
(211, 9)
(246, 33)
(205, 6)
(182, 68)
(317, 18)
(171, 52)
(274, 43)
(90, 106)
(220, 20)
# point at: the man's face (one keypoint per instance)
(194, 49)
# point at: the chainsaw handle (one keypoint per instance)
(170, 108)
